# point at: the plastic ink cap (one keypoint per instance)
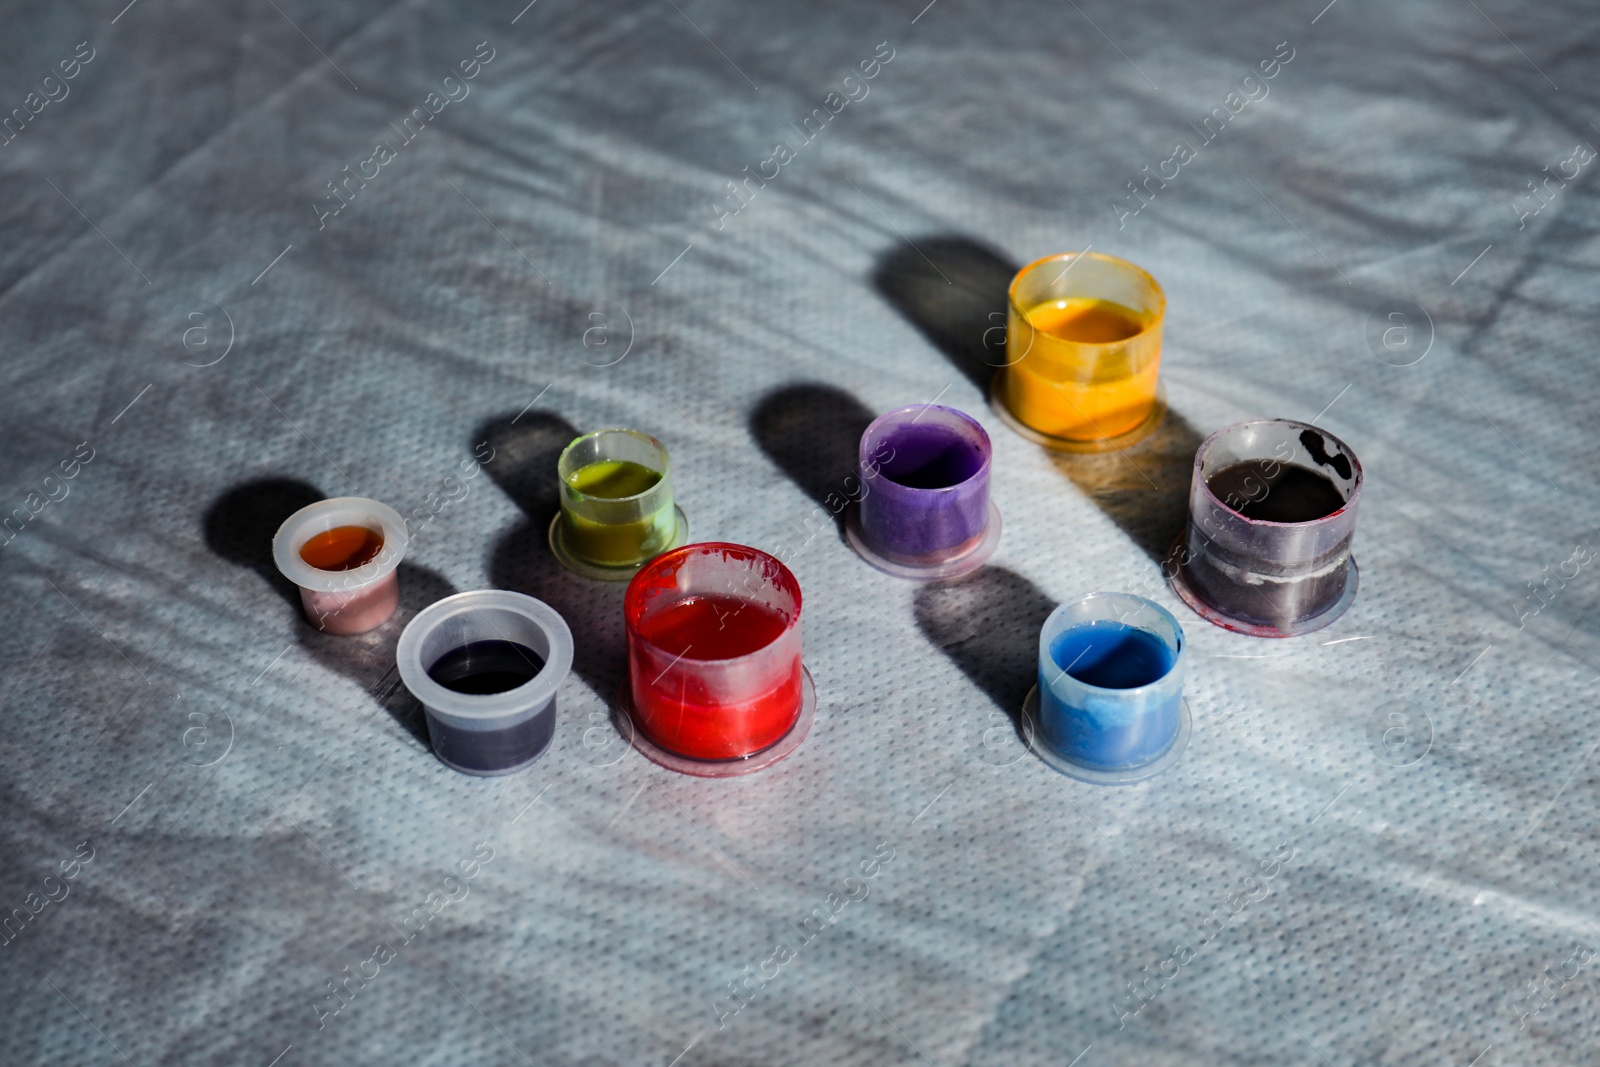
(716, 686)
(360, 542)
(1108, 707)
(486, 666)
(617, 508)
(1272, 516)
(1083, 353)
(925, 511)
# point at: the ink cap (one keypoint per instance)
(609, 537)
(925, 512)
(734, 709)
(1082, 389)
(1114, 714)
(344, 602)
(487, 733)
(1254, 575)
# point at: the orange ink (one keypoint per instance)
(343, 548)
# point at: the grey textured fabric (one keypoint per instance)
(1381, 842)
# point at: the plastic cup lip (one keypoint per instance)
(512, 704)
(325, 515)
(1356, 481)
(987, 446)
(1053, 628)
(1156, 317)
(631, 599)
(666, 461)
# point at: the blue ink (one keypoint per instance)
(1111, 655)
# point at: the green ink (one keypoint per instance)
(614, 532)
(613, 479)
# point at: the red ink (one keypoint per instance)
(713, 627)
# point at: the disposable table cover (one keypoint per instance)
(260, 253)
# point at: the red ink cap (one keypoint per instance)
(716, 686)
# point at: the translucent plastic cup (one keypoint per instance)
(1261, 577)
(716, 685)
(349, 601)
(926, 512)
(1108, 707)
(487, 733)
(608, 536)
(1094, 386)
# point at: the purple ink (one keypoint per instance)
(925, 510)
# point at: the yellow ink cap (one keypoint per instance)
(1083, 353)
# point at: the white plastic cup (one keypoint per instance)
(492, 733)
(352, 601)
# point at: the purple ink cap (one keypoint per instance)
(1272, 515)
(925, 511)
